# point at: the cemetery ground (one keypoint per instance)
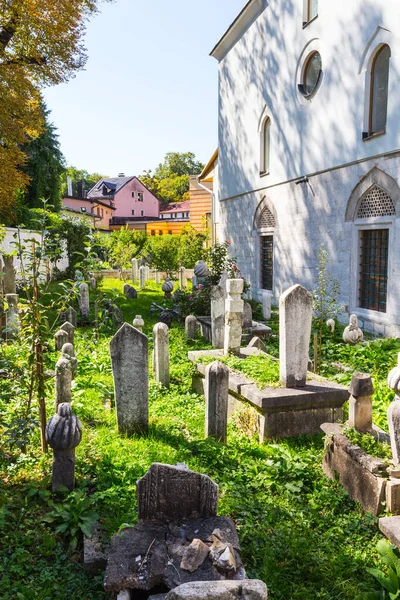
(299, 531)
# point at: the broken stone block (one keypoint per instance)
(250, 589)
(194, 555)
(256, 342)
(171, 493)
(94, 558)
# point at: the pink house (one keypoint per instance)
(130, 198)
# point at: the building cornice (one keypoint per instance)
(242, 22)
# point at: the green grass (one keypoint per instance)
(298, 530)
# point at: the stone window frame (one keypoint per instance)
(307, 17)
(258, 233)
(389, 185)
(265, 147)
(313, 46)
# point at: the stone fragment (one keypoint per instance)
(256, 342)
(63, 434)
(134, 269)
(217, 316)
(390, 527)
(248, 589)
(331, 324)
(233, 316)
(70, 330)
(142, 277)
(161, 354)
(194, 555)
(9, 282)
(94, 557)
(126, 288)
(131, 293)
(247, 315)
(295, 316)
(352, 334)
(60, 338)
(12, 316)
(190, 327)
(93, 282)
(172, 493)
(360, 403)
(83, 300)
(138, 323)
(266, 305)
(129, 357)
(216, 390)
(124, 595)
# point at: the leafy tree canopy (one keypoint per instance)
(170, 179)
(45, 163)
(40, 44)
(77, 175)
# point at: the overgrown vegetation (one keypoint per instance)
(298, 530)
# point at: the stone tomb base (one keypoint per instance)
(154, 555)
(282, 412)
(364, 477)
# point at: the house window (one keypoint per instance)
(140, 196)
(310, 11)
(373, 271)
(312, 72)
(133, 194)
(169, 231)
(267, 261)
(153, 232)
(160, 232)
(142, 213)
(378, 92)
(265, 146)
(102, 213)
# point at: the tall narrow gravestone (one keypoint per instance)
(216, 393)
(134, 269)
(83, 300)
(295, 315)
(70, 331)
(182, 277)
(9, 282)
(217, 316)
(233, 316)
(142, 277)
(129, 358)
(161, 354)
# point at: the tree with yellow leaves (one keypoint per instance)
(40, 44)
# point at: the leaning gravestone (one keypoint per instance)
(9, 282)
(63, 434)
(190, 327)
(233, 316)
(129, 357)
(70, 330)
(161, 354)
(83, 300)
(217, 316)
(295, 316)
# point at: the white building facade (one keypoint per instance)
(309, 152)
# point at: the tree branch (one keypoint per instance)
(7, 32)
(26, 61)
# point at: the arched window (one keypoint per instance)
(378, 92)
(265, 146)
(266, 226)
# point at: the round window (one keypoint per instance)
(312, 73)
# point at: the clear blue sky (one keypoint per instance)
(149, 85)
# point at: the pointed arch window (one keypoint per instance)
(265, 147)
(378, 92)
(266, 227)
